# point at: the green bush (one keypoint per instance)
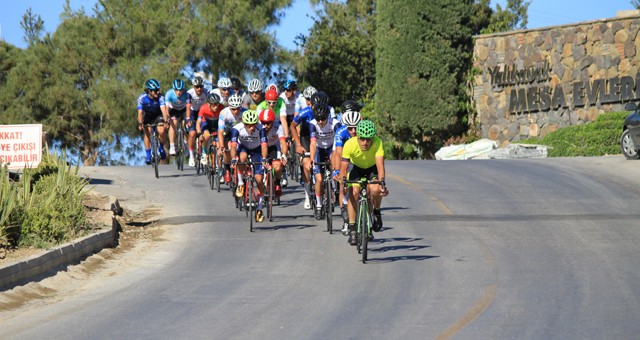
(55, 212)
(598, 138)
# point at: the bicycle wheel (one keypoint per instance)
(328, 204)
(250, 203)
(179, 151)
(154, 152)
(270, 196)
(366, 226)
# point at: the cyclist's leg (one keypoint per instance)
(375, 199)
(161, 128)
(306, 171)
(146, 137)
(173, 121)
(191, 141)
(352, 203)
(317, 174)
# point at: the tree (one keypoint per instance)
(338, 55)
(82, 81)
(33, 27)
(514, 16)
(423, 52)
(636, 3)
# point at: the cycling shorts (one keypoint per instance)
(356, 173)
(256, 156)
(177, 113)
(150, 118)
(322, 155)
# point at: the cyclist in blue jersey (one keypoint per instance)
(197, 96)
(350, 120)
(176, 102)
(151, 109)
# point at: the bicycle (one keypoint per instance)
(198, 155)
(270, 196)
(364, 214)
(328, 193)
(180, 146)
(250, 186)
(293, 164)
(155, 146)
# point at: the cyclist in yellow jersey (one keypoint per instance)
(366, 154)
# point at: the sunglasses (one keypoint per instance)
(155, 91)
(272, 102)
(199, 86)
(289, 90)
(351, 128)
(250, 125)
(266, 123)
(255, 92)
(224, 89)
(234, 108)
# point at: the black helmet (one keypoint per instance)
(236, 82)
(197, 81)
(213, 98)
(321, 111)
(350, 105)
(319, 97)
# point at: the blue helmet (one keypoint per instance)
(151, 85)
(291, 85)
(178, 84)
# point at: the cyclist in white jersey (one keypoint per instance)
(224, 90)
(322, 131)
(276, 143)
(229, 117)
(196, 97)
(247, 138)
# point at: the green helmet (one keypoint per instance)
(250, 117)
(366, 129)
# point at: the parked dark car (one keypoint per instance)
(630, 140)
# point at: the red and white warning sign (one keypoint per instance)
(21, 145)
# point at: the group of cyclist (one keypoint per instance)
(262, 124)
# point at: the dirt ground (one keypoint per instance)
(137, 235)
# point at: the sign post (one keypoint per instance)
(21, 145)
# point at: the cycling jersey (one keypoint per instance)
(250, 141)
(294, 105)
(195, 100)
(174, 102)
(223, 99)
(302, 119)
(280, 109)
(209, 118)
(275, 135)
(342, 136)
(323, 135)
(150, 106)
(248, 103)
(352, 152)
(227, 120)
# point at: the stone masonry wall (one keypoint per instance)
(532, 82)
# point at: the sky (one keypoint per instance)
(296, 21)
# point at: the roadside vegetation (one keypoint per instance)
(44, 207)
(598, 138)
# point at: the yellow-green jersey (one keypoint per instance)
(352, 152)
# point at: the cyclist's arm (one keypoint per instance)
(380, 167)
(165, 113)
(344, 166)
(336, 156)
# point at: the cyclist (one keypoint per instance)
(254, 96)
(277, 145)
(152, 109)
(223, 90)
(196, 97)
(322, 131)
(293, 100)
(300, 135)
(237, 86)
(247, 138)
(207, 124)
(275, 103)
(176, 102)
(229, 117)
(366, 154)
(322, 97)
(350, 120)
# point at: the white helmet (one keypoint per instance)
(255, 86)
(235, 101)
(272, 87)
(309, 91)
(351, 118)
(224, 82)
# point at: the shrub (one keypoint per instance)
(598, 138)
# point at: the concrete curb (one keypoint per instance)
(39, 266)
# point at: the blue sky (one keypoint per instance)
(541, 13)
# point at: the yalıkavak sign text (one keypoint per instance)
(21, 145)
(530, 91)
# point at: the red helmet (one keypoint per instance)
(267, 116)
(271, 95)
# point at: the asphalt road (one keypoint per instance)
(495, 249)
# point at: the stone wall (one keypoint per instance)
(532, 82)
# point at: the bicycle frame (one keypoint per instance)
(155, 145)
(364, 215)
